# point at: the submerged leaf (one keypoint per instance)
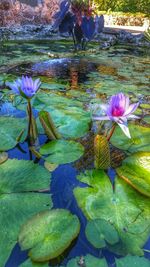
(135, 170)
(48, 234)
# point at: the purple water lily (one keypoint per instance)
(119, 110)
(25, 86)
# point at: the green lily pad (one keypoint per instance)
(18, 181)
(88, 261)
(126, 209)
(135, 170)
(99, 232)
(71, 120)
(132, 261)
(53, 86)
(139, 141)
(10, 129)
(29, 263)
(61, 151)
(47, 234)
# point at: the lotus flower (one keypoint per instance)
(119, 110)
(25, 86)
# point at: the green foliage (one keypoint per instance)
(48, 125)
(147, 35)
(132, 261)
(61, 151)
(124, 208)
(47, 234)
(139, 140)
(18, 201)
(100, 232)
(10, 130)
(135, 170)
(88, 261)
(101, 152)
(124, 5)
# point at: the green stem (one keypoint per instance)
(111, 132)
(29, 108)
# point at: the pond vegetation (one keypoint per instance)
(74, 188)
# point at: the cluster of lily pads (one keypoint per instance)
(118, 216)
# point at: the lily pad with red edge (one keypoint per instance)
(135, 170)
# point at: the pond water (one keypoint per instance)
(71, 83)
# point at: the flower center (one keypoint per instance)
(117, 111)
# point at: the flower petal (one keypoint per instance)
(100, 118)
(124, 128)
(131, 109)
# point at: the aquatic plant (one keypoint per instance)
(76, 18)
(147, 35)
(27, 88)
(119, 110)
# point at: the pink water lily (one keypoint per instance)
(119, 110)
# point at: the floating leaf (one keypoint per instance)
(135, 170)
(48, 234)
(68, 115)
(88, 261)
(3, 157)
(29, 263)
(101, 152)
(48, 125)
(50, 166)
(139, 141)
(125, 208)
(132, 261)
(18, 202)
(61, 151)
(10, 130)
(99, 232)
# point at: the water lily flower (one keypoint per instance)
(26, 86)
(119, 110)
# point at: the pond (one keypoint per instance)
(71, 197)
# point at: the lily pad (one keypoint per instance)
(61, 151)
(47, 234)
(29, 263)
(71, 120)
(99, 232)
(88, 261)
(126, 209)
(10, 130)
(18, 202)
(135, 170)
(132, 261)
(139, 141)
